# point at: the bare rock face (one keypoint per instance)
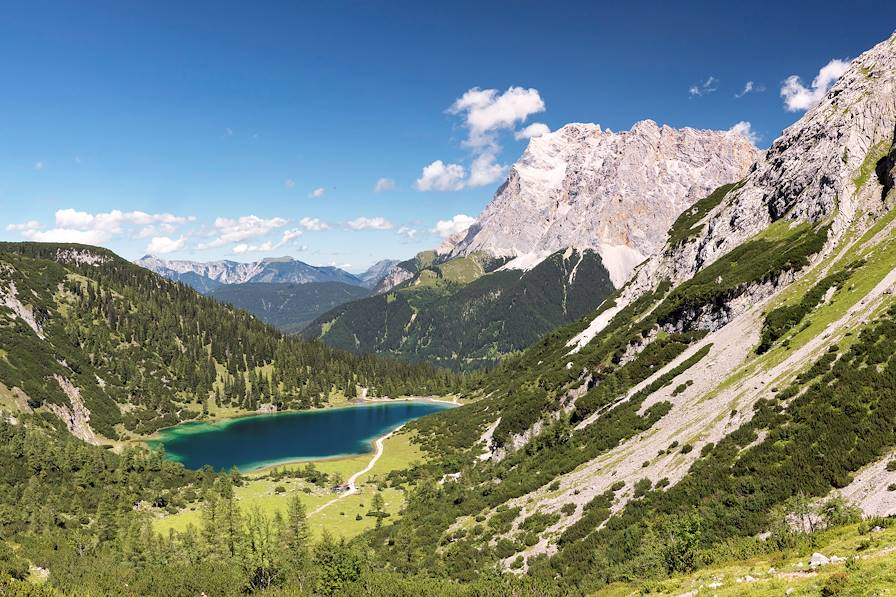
(831, 165)
(616, 193)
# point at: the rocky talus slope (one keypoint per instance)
(749, 361)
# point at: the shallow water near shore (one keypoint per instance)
(263, 440)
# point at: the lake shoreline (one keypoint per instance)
(188, 442)
(156, 436)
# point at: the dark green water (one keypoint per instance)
(261, 440)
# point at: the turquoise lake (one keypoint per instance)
(261, 440)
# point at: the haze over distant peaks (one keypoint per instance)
(206, 276)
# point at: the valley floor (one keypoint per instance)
(327, 510)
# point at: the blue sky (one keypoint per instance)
(243, 130)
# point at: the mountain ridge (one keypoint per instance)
(206, 276)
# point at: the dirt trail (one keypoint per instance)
(351, 483)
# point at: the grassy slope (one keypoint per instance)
(873, 570)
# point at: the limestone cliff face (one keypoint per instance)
(617, 193)
(824, 167)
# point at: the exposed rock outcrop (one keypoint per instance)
(617, 193)
(821, 168)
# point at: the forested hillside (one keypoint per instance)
(288, 307)
(456, 314)
(114, 349)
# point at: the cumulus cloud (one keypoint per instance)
(383, 184)
(439, 176)
(247, 248)
(408, 232)
(160, 245)
(798, 97)
(485, 113)
(363, 223)
(484, 170)
(68, 235)
(745, 129)
(25, 226)
(455, 225)
(229, 230)
(710, 85)
(76, 226)
(317, 193)
(536, 129)
(313, 224)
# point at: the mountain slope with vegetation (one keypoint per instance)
(666, 429)
(454, 313)
(112, 349)
(288, 307)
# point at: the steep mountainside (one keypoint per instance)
(373, 275)
(111, 349)
(711, 407)
(456, 314)
(282, 270)
(616, 193)
(612, 194)
(288, 307)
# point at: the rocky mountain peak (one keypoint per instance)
(617, 193)
(821, 168)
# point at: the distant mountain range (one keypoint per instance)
(289, 307)
(206, 276)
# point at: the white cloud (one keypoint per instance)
(536, 129)
(484, 171)
(289, 183)
(745, 129)
(408, 232)
(24, 227)
(439, 176)
(68, 235)
(230, 230)
(262, 248)
(798, 97)
(455, 225)
(363, 223)
(268, 246)
(486, 111)
(708, 86)
(82, 220)
(383, 184)
(317, 193)
(290, 235)
(156, 230)
(160, 245)
(313, 224)
(76, 226)
(750, 87)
